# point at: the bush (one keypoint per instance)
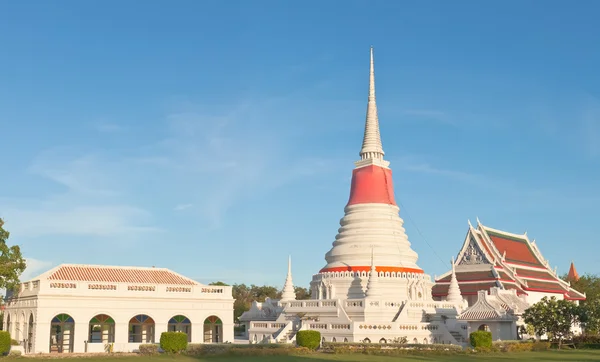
(272, 349)
(14, 342)
(148, 349)
(15, 353)
(389, 348)
(481, 339)
(173, 342)
(4, 342)
(308, 339)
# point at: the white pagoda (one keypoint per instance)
(371, 289)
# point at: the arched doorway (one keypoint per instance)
(181, 324)
(30, 334)
(102, 329)
(141, 329)
(62, 330)
(484, 327)
(213, 330)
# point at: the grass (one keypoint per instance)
(565, 355)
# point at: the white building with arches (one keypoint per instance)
(93, 308)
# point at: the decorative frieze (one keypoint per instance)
(369, 326)
(141, 288)
(212, 290)
(102, 286)
(179, 290)
(63, 285)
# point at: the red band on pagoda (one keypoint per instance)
(372, 184)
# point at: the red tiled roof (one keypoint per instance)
(467, 276)
(109, 274)
(485, 245)
(465, 288)
(574, 295)
(517, 249)
(542, 274)
(538, 285)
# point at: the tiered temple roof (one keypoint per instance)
(494, 258)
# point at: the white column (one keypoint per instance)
(42, 338)
(81, 335)
(121, 337)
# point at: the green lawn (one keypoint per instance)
(567, 355)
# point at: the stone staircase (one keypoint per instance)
(458, 336)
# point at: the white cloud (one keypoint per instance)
(34, 268)
(107, 127)
(182, 207)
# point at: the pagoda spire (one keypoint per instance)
(573, 276)
(373, 282)
(371, 147)
(454, 289)
(287, 293)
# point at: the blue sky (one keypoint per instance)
(215, 138)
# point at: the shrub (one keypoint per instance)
(4, 342)
(540, 346)
(14, 342)
(173, 342)
(15, 353)
(148, 349)
(481, 339)
(308, 339)
(272, 349)
(390, 348)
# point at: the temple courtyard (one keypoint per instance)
(565, 355)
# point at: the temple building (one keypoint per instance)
(371, 288)
(93, 308)
(493, 258)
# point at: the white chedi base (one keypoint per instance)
(371, 226)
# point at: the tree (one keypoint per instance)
(590, 316)
(588, 284)
(302, 293)
(12, 263)
(552, 317)
(219, 284)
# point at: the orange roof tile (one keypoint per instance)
(112, 274)
(517, 249)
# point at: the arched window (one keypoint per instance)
(102, 329)
(333, 340)
(382, 340)
(62, 330)
(213, 330)
(366, 340)
(484, 327)
(181, 324)
(345, 340)
(141, 329)
(30, 334)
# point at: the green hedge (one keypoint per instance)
(148, 349)
(308, 339)
(228, 349)
(519, 346)
(4, 342)
(481, 339)
(173, 342)
(389, 348)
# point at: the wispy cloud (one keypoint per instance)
(182, 207)
(107, 127)
(34, 268)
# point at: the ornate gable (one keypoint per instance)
(472, 254)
